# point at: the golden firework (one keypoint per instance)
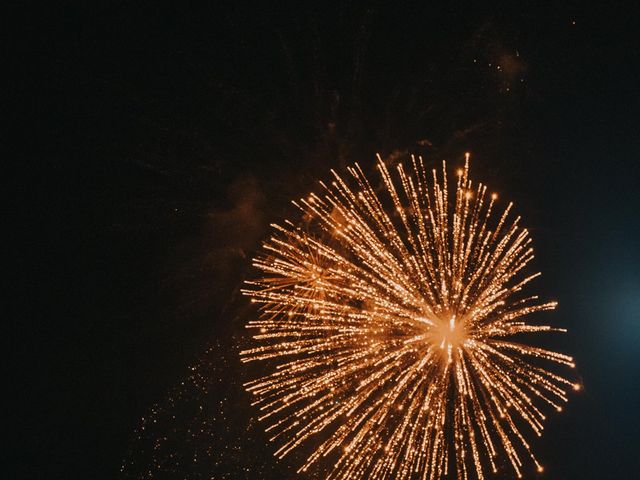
(387, 323)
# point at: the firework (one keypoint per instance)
(389, 326)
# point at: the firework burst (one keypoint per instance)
(388, 324)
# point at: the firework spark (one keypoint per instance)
(388, 322)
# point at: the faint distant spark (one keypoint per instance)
(387, 323)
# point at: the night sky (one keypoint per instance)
(155, 142)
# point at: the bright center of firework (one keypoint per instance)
(448, 334)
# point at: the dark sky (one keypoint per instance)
(155, 142)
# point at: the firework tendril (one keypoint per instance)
(390, 331)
